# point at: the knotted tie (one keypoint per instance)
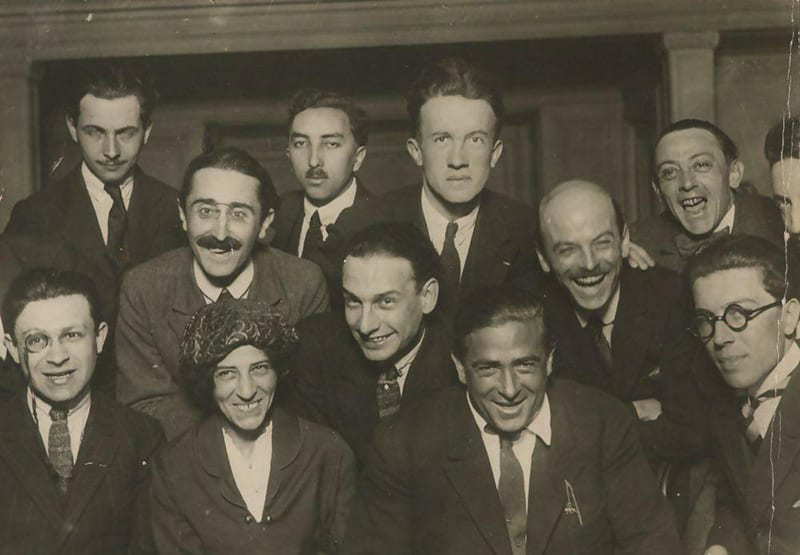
(451, 265)
(595, 326)
(58, 448)
(225, 295)
(117, 223)
(388, 393)
(749, 408)
(313, 235)
(511, 488)
(689, 246)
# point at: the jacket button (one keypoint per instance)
(248, 519)
(268, 519)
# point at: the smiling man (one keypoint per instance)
(388, 350)
(697, 173)
(227, 202)
(515, 464)
(747, 315)
(74, 464)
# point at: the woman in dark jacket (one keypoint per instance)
(250, 478)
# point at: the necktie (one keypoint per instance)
(58, 448)
(225, 295)
(749, 408)
(451, 265)
(689, 246)
(595, 326)
(511, 488)
(388, 393)
(313, 235)
(117, 223)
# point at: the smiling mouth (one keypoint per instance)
(589, 281)
(459, 178)
(376, 340)
(694, 204)
(60, 378)
(248, 407)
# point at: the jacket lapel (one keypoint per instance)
(187, 298)
(139, 231)
(632, 332)
(286, 443)
(265, 286)
(488, 238)
(214, 459)
(425, 374)
(470, 473)
(737, 458)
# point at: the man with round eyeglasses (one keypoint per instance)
(746, 315)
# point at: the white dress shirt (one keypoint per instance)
(608, 317)
(3, 349)
(101, 200)
(251, 473)
(76, 421)
(727, 220)
(524, 446)
(239, 289)
(437, 227)
(328, 213)
(778, 378)
(404, 363)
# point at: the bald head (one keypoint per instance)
(582, 241)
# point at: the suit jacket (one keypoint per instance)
(428, 486)
(758, 501)
(158, 299)
(755, 215)
(332, 383)
(197, 507)
(653, 355)
(105, 509)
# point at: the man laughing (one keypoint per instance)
(227, 202)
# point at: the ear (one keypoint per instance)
(462, 372)
(790, 318)
(626, 241)
(100, 338)
(414, 150)
(358, 157)
(71, 127)
(549, 363)
(182, 216)
(12, 347)
(262, 232)
(430, 294)
(655, 187)
(147, 131)
(497, 150)
(543, 261)
(735, 174)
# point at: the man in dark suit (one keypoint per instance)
(616, 328)
(227, 202)
(747, 315)
(74, 464)
(697, 175)
(388, 350)
(515, 464)
(782, 149)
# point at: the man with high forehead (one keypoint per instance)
(388, 350)
(697, 173)
(747, 316)
(74, 464)
(616, 328)
(512, 462)
(227, 202)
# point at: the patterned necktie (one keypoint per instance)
(511, 488)
(225, 295)
(451, 265)
(117, 223)
(313, 235)
(58, 448)
(689, 246)
(749, 408)
(388, 392)
(595, 326)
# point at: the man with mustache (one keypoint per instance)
(106, 208)
(616, 328)
(227, 202)
(697, 173)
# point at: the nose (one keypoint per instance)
(589, 259)
(367, 321)
(57, 354)
(314, 157)
(456, 159)
(221, 224)
(509, 384)
(245, 387)
(110, 147)
(723, 335)
(687, 180)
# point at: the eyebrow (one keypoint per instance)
(104, 130)
(376, 296)
(234, 204)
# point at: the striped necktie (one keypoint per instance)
(59, 450)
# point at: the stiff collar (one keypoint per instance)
(437, 222)
(97, 187)
(539, 426)
(727, 220)
(39, 406)
(611, 311)
(406, 360)
(239, 288)
(329, 213)
(779, 377)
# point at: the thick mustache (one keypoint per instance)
(227, 244)
(316, 173)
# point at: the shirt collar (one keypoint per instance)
(97, 187)
(727, 220)
(38, 405)
(436, 219)
(610, 314)
(403, 364)
(539, 426)
(238, 288)
(779, 377)
(329, 213)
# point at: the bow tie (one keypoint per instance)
(689, 246)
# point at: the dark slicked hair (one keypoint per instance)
(112, 80)
(783, 141)
(236, 159)
(726, 144)
(746, 251)
(315, 98)
(454, 77)
(401, 240)
(489, 307)
(40, 284)
(217, 329)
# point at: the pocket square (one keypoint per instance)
(506, 262)
(796, 504)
